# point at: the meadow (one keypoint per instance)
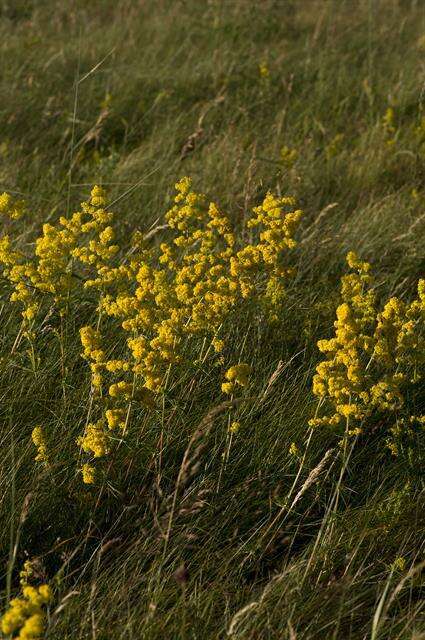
(212, 305)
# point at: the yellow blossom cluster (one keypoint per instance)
(95, 439)
(25, 617)
(26, 572)
(294, 450)
(39, 440)
(89, 473)
(10, 207)
(181, 289)
(236, 375)
(92, 352)
(374, 358)
(84, 239)
(162, 294)
(235, 426)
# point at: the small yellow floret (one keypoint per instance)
(89, 473)
(38, 439)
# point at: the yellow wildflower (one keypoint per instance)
(89, 473)
(368, 361)
(236, 375)
(11, 208)
(293, 450)
(121, 388)
(95, 439)
(399, 564)
(26, 572)
(217, 344)
(115, 418)
(26, 614)
(38, 439)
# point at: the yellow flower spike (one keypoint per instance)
(89, 473)
(33, 627)
(25, 616)
(368, 360)
(13, 618)
(95, 440)
(11, 208)
(293, 450)
(26, 573)
(5, 201)
(354, 263)
(122, 388)
(91, 341)
(227, 387)
(38, 439)
(239, 374)
(85, 237)
(31, 593)
(98, 197)
(180, 290)
(399, 564)
(115, 418)
(117, 365)
(218, 345)
(388, 124)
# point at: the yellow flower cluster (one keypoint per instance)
(276, 231)
(11, 208)
(25, 618)
(184, 288)
(95, 439)
(89, 473)
(373, 357)
(236, 375)
(91, 341)
(19, 274)
(235, 427)
(294, 450)
(162, 295)
(39, 440)
(26, 572)
(399, 564)
(85, 238)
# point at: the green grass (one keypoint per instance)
(109, 93)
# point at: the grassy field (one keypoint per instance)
(212, 514)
